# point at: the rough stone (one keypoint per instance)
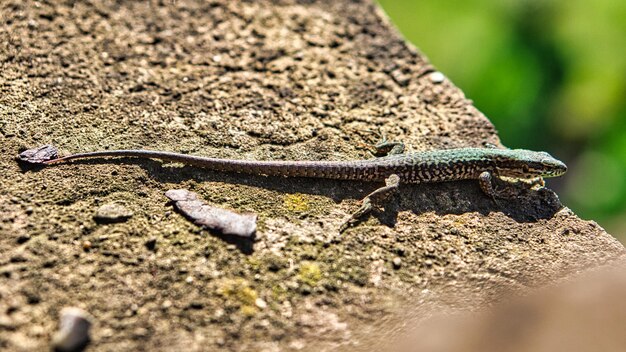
(301, 80)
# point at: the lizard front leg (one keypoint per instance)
(376, 198)
(386, 148)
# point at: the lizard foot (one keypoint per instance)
(376, 198)
(384, 147)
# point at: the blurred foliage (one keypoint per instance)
(550, 74)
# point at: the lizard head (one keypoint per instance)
(523, 163)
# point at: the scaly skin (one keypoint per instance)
(419, 167)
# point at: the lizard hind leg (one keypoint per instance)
(484, 180)
(376, 198)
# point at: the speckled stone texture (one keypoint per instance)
(252, 80)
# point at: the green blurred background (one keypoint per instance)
(550, 74)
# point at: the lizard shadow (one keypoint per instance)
(521, 204)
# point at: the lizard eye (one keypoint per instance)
(525, 168)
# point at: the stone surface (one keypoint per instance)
(258, 80)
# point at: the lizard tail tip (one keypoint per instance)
(39, 155)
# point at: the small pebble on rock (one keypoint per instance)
(437, 77)
(112, 212)
(397, 262)
(73, 333)
(259, 302)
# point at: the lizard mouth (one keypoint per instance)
(558, 168)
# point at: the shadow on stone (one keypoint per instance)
(521, 203)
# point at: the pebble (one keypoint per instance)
(437, 77)
(112, 212)
(259, 302)
(397, 263)
(73, 333)
(231, 247)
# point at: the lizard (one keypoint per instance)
(482, 164)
